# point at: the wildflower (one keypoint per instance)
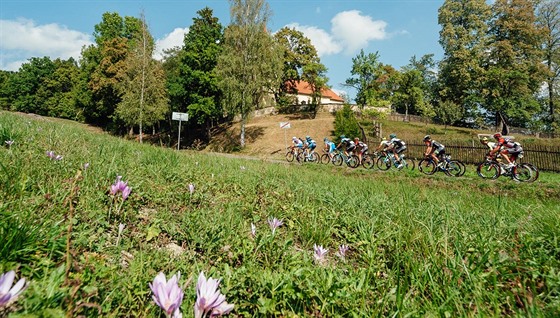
(120, 186)
(253, 230)
(342, 249)
(320, 252)
(9, 142)
(242, 168)
(209, 300)
(274, 224)
(167, 294)
(58, 157)
(86, 165)
(51, 154)
(8, 293)
(191, 188)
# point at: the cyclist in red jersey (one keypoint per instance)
(506, 147)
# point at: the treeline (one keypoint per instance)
(500, 65)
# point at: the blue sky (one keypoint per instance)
(397, 29)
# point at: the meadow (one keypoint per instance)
(429, 246)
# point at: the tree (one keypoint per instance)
(514, 69)
(448, 112)
(103, 67)
(195, 84)
(250, 61)
(463, 37)
(367, 73)
(315, 75)
(413, 86)
(143, 95)
(59, 90)
(23, 87)
(299, 56)
(549, 18)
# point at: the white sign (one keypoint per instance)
(180, 116)
(285, 125)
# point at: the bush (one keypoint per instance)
(345, 123)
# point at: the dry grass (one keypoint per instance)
(265, 138)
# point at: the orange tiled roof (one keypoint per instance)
(304, 88)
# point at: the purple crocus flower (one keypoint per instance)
(191, 188)
(86, 165)
(274, 223)
(9, 142)
(8, 294)
(58, 157)
(209, 300)
(167, 294)
(342, 249)
(120, 186)
(320, 252)
(51, 154)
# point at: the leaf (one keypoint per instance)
(153, 231)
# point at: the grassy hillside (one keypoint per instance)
(418, 245)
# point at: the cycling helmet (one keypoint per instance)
(356, 139)
(497, 135)
(427, 137)
(392, 136)
(342, 136)
(484, 139)
(307, 137)
(294, 138)
(326, 139)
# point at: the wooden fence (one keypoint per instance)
(544, 157)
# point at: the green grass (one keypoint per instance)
(419, 245)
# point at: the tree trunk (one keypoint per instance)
(551, 101)
(242, 142)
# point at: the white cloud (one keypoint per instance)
(322, 40)
(25, 39)
(355, 30)
(350, 31)
(169, 41)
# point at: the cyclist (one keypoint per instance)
(297, 144)
(309, 145)
(434, 149)
(397, 147)
(361, 148)
(348, 144)
(329, 147)
(507, 148)
(383, 145)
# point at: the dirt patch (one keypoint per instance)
(265, 137)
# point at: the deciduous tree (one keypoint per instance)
(251, 60)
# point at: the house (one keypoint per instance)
(304, 95)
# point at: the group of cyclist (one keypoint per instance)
(506, 147)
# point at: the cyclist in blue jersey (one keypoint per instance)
(330, 147)
(309, 145)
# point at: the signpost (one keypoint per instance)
(180, 117)
(285, 125)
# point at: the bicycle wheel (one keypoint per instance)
(408, 164)
(427, 167)
(384, 163)
(488, 170)
(368, 162)
(325, 158)
(453, 168)
(337, 160)
(353, 161)
(463, 167)
(522, 172)
(290, 156)
(535, 172)
(314, 157)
